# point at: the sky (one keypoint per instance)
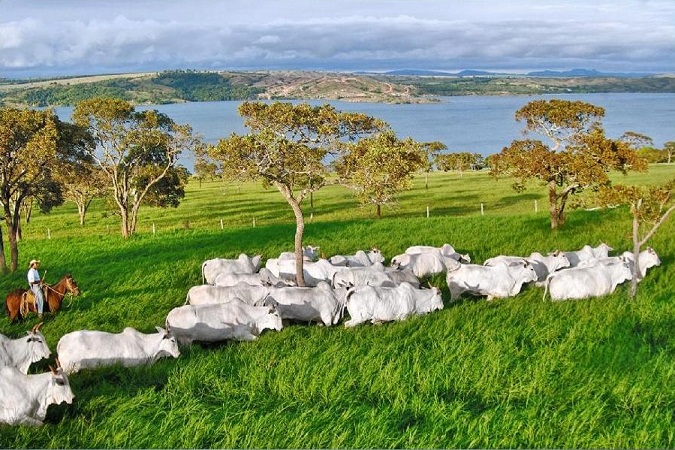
(45, 38)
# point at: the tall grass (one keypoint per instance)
(517, 372)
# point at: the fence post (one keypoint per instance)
(427, 212)
(221, 224)
(153, 228)
(254, 222)
(49, 233)
(536, 206)
(482, 210)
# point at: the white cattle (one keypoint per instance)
(588, 252)
(543, 265)
(25, 398)
(24, 351)
(498, 281)
(583, 282)
(263, 278)
(359, 259)
(445, 249)
(235, 320)
(374, 275)
(314, 272)
(426, 263)
(88, 349)
(309, 304)
(243, 264)
(398, 275)
(309, 253)
(206, 294)
(384, 304)
(647, 259)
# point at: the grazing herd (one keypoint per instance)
(240, 299)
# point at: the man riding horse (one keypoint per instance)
(36, 284)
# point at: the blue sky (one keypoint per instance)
(75, 37)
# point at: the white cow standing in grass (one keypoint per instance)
(498, 281)
(24, 351)
(88, 349)
(25, 398)
(383, 304)
(235, 320)
(595, 280)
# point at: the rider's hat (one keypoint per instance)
(33, 261)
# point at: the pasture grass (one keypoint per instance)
(517, 372)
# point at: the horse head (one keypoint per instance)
(71, 285)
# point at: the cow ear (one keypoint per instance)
(161, 330)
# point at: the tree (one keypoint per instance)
(459, 161)
(669, 149)
(287, 147)
(432, 152)
(378, 167)
(650, 208)
(29, 156)
(580, 155)
(136, 150)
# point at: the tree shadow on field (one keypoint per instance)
(511, 200)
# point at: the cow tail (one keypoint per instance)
(203, 277)
(548, 281)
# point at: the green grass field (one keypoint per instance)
(515, 372)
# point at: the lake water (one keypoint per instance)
(477, 124)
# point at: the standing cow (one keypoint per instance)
(24, 351)
(234, 320)
(384, 304)
(25, 398)
(87, 349)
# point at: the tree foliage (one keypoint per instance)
(579, 155)
(650, 207)
(138, 153)
(459, 161)
(378, 167)
(32, 150)
(287, 148)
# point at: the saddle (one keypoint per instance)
(28, 300)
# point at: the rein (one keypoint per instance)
(66, 292)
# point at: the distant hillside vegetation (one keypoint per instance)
(402, 87)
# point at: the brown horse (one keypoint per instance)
(20, 302)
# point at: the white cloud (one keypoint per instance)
(74, 36)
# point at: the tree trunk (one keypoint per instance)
(299, 231)
(554, 211)
(81, 210)
(3, 261)
(636, 259)
(13, 247)
(125, 222)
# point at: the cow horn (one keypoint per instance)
(52, 370)
(58, 363)
(36, 328)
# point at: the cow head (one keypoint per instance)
(37, 344)
(59, 386)
(168, 345)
